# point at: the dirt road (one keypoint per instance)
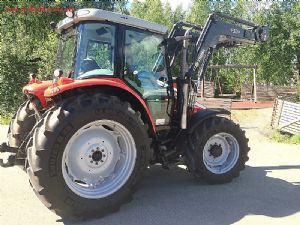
(267, 192)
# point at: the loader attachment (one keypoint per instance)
(219, 31)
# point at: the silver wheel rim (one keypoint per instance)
(99, 159)
(221, 153)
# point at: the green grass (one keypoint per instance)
(285, 138)
(295, 139)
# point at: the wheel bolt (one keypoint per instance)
(93, 150)
(96, 163)
(91, 161)
(102, 150)
(104, 155)
(97, 148)
(90, 156)
(101, 160)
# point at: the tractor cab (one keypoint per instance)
(100, 44)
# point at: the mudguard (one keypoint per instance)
(197, 118)
(48, 89)
(65, 84)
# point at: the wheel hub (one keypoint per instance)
(96, 156)
(216, 150)
(221, 153)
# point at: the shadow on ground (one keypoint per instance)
(173, 197)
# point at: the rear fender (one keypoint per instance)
(113, 86)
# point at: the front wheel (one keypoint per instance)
(88, 156)
(218, 150)
(21, 124)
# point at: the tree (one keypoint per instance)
(151, 10)
(26, 36)
(199, 12)
(275, 57)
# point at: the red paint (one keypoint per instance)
(65, 84)
(37, 88)
(34, 80)
(198, 107)
(252, 105)
(64, 80)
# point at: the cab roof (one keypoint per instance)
(102, 15)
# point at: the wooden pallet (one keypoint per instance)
(286, 116)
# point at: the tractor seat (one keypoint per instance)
(89, 64)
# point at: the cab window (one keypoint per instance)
(144, 66)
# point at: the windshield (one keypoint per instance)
(66, 52)
(95, 51)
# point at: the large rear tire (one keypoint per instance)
(88, 155)
(218, 150)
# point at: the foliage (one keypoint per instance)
(285, 138)
(26, 37)
(5, 118)
(155, 11)
(295, 139)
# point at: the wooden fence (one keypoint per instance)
(209, 89)
(286, 116)
(267, 92)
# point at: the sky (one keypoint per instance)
(186, 4)
(174, 3)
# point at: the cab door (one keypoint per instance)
(144, 70)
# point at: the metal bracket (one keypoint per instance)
(5, 148)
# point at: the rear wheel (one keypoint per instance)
(88, 155)
(218, 151)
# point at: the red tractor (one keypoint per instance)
(114, 108)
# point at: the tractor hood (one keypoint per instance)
(36, 88)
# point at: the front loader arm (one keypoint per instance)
(219, 33)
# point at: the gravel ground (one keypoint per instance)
(267, 192)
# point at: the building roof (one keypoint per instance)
(102, 15)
